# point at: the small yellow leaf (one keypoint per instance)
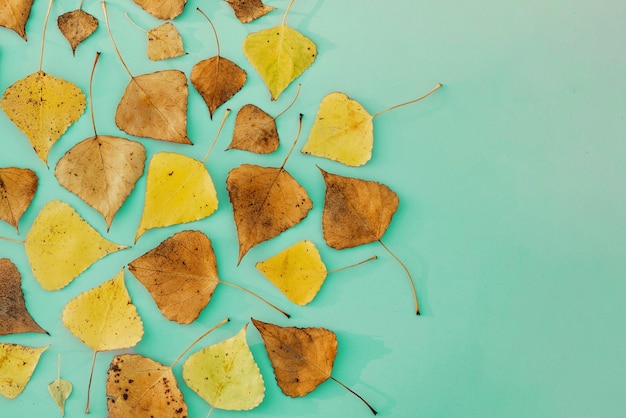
(104, 318)
(17, 364)
(61, 245)
(43, 107)
(225, 375)
(179, 189)
(343, 131)
(60, 390)
(298, 271)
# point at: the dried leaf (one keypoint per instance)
(14, 15)
(138, 386)
(302, 358)
(266, 201)
(162, 9)
(217, 79)
(248, 10)
(279, 54)
(60, 390)
(155, 106)
(17, 364)
(14, 317)
(164, 42)
(343, 131)
(180, 274)
(225, 375)
(43, 107)
(17, 190)
(102, 171)
(77, 26)
(61, 245)
(179, 189)
(255, 131)
(297, 271)
(104, 318)
(355, 211)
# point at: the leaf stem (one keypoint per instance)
(43, 35)
(290, 104)
(236, 286)
(217, 41)
(80, 6)
(417, 309)
(353, 265)
(286, 12)
(93, 364)
(134, 23)
(294, 143)
(217, 135)
(409, 102)
(357, 395)
(197, 340)
(106, 21)
(12, 240)
(59, 366)
(93, 70)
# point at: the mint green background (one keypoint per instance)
(511, 181)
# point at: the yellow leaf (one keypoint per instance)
(178, 189)
(226, 375)
(104, 317)
(60, 390)
(343, 131)
(280, 55)
(43, 107)
(60, 245)
(17, 364)
(298, 271)
(164, 42)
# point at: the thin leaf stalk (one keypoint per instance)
(43, 35)
(290, 104)
(17, 241)
(217, 135)
(417, 309)
(270, 304)
(217, 41)
(431, 91)
(93, 70)
(356, 394)
(282, 167)
(287, 12)
(134, 23)
(353, 265)
(93, 364)
(117, 51)
(197, 340)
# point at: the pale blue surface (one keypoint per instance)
(511, 181)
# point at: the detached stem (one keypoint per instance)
(43, 35)
(217, 41)
(286, 12)
(93, 70)
(236, 286)
(93, 363)
(353, 265)
(106, 21)
(417, 309)
(294, 143)
(197, 340)
(217, 135)
(357, 395)
(290, 104)
(409, 102)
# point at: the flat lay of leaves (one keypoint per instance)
(124, 232)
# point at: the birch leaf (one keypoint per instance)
(17, 190)
(14, 15)
(76, 26)
(162, 9)
(17, 364)
(248, 10)
(164, 42)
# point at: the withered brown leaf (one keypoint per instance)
(14, 317)
(254, 131)
(164, 42)
(17, 190)
(266, 201)
(14, 15)
(248, 10)
(162, 9)
(76, 26)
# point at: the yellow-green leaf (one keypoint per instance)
(179, 189)
(17, 364)
(61, 245)
(43, 107)
(60, 390)
(225, 375)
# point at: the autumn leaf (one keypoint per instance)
(14, 316)
(279, 54)
(164, 42)
(343, 130)
(14, 15)
(60, 390)
(17, 364)
(225, 375)
(217, 79)
(162, 9)
(248, 10)
(153, 105)
(17, 190)
(60, 245)
(302, 358)
(76, 26)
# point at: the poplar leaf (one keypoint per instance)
(17, 190)
(76, 26)
(17, 364)
(60, 390)
(248, 10)
(254, 131)
(14, 15)
(164, 42)
(162, 9)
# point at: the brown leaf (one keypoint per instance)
(102, 171)
(355, 211)
(77, 26)
(14, 15)
(248, 10)
(138, 386)
(255, 131)
(266, 201)
(14, 317)
(217, 79)
(302, 358)
(164, 42)
(162, 9)
(17, 189)
(155, 106)
(180, 274)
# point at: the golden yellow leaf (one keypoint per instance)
(297, 271)
(164, 42)
(178, 189)
(60, 245)
(225, 375)
(17, 364)
(14, 15)
(43, 107)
